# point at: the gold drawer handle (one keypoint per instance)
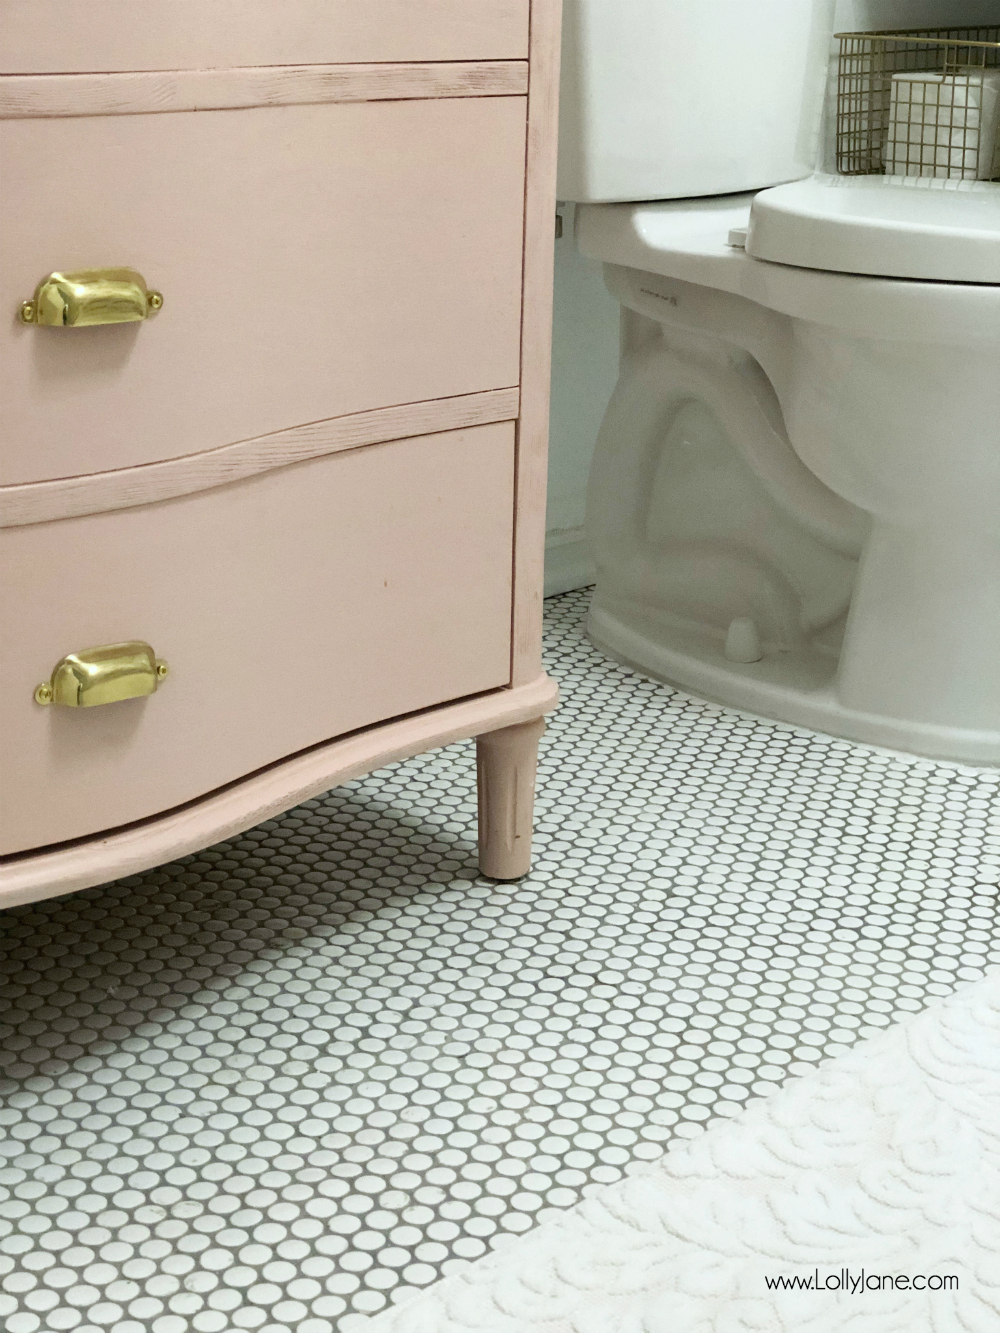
(103, 676)
(90, 296)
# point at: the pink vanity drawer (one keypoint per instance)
(315, 261)
(51, 36)
(291, 608)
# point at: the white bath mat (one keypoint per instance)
(876, 1178)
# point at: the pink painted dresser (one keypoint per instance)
(275, 288)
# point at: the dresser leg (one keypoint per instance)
(507, 760)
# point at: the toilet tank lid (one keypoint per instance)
(885, 226)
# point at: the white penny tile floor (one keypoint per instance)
(284, 1082)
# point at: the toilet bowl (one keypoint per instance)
(814, 452)
(794, 504)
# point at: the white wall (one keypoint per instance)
(866, 15)
(585, 323)
(584, 370)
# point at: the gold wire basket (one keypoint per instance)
(921, 102)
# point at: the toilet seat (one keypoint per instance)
(688, 240)
(888, 226)
(912, 228)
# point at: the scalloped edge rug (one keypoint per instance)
(882, 1165)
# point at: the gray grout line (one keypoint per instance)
(279, 1083)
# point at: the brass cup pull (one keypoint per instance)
(103, 675)
(90, 296)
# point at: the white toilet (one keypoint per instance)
(794, 505)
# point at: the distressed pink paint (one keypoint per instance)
(319, 261)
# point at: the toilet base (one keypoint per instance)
(793, 686)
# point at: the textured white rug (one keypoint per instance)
(881, 1168)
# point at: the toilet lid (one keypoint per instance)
(885, 226)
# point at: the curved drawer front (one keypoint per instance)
(291, 608)
(315, 260)
(46, 36)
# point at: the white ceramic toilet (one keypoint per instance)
(794, 505)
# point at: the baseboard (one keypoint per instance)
(567, 563)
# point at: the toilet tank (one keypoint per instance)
(668, 99)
